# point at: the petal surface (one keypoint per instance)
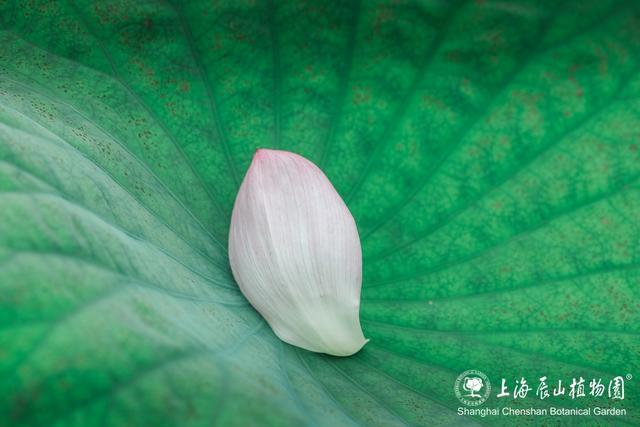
(295, 252)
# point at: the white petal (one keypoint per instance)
(295, 252)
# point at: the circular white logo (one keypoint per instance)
(472, 387)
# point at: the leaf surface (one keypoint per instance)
(488, 151)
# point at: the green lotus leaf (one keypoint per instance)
(488, 150)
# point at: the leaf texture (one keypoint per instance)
(487, 150)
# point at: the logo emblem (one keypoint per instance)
(472, 387)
